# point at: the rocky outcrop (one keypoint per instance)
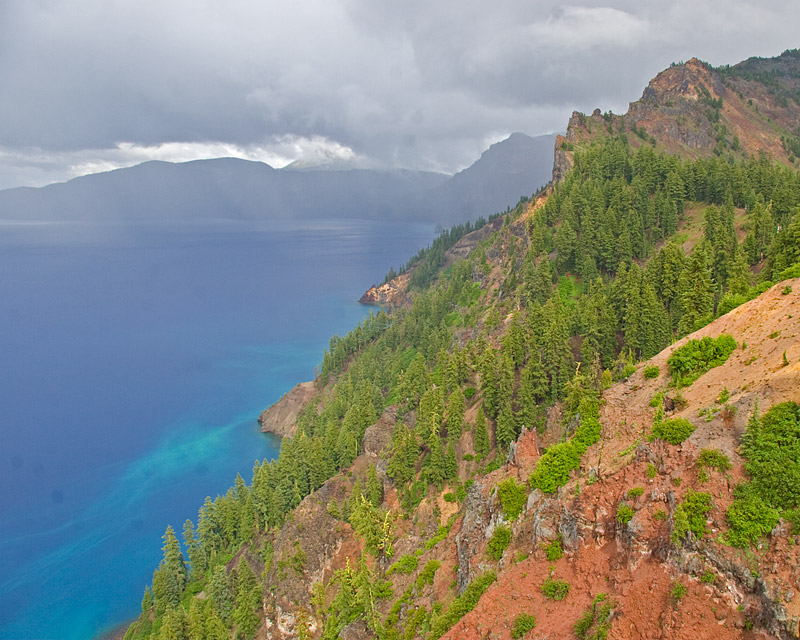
(392, 293)
(281, 417)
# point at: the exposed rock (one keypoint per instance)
(379, 435)
(472, 535)
(392, 293)
(281, 417)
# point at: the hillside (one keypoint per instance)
(581, 420)
(696, 110)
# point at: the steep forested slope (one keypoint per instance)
(491, 459)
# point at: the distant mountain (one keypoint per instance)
(224, 188)
(229, 188)
(514, 167)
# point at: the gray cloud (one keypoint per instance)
(90, 85)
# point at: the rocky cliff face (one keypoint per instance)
(696, 110)
(281, 417)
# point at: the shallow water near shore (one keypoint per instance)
(135, 363)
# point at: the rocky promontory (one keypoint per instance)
(281, 417)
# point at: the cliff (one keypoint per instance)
(696, 110)
(281, 418)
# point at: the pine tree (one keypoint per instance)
(696, 293)
(506, 430)
(247, 602)
(435, 469)
(147, 601)
(454, 413)
(451, 462)
(374, 487)
(480, 434)
(173, 624)
(219, 591)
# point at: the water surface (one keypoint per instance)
(134, 364)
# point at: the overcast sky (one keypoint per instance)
(90, 85)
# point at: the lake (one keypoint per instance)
(135, 361)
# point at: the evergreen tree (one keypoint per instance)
(193, 550)
(147, 601)
(435, 469)
(454, 413)
(451, 462)
(220, 593)
(173, 624)
(247, 602)
(506, 429)
(696, 293)
(374, 487)
(480, 434)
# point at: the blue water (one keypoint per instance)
(133, 365)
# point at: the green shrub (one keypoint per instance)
(749, 518)
(674, 430)
(555, 589)
(678, 591)
(469, 392)
(406, 564)
(652, 470)
(426, 575)
(450, 497)
(512, 497)
(691, 516)
(462, 605)
(523, 623)
(708, 577)
(635, 492)
(554, 550)
(693, 359)
(595, 622)
(554, 467)
(714, 459)
(771, 446)
(660, 514)
(651, 372)
(627, 371)
(624, 513)
(498, 543)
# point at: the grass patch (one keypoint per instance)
(462, 605)
(624, 514)
(406, 564)
(523, 623)
(651, 372)
(555, 589)
(595, 622)
(554, 550)
(713, 459)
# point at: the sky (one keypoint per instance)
(93, 85)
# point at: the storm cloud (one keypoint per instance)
(90, 85)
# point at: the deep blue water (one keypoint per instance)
(133, 365)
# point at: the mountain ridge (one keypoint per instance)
(233, 188)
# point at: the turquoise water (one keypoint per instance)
(135, 363)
